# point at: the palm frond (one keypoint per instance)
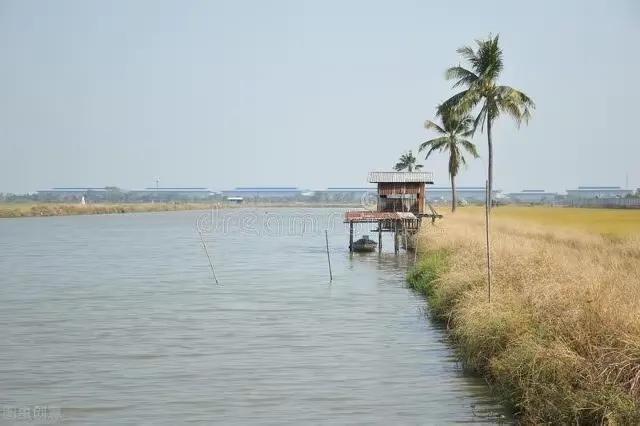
(460, 103)
(515, 103)
(407, 162)
(465, 77)
(489, 57)
(431, 125)
(433, 145)
(468, 54)
(466, 123)
(469, 147)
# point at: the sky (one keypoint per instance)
(311, 94)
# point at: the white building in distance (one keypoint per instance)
(466, 193)
(598, 192)
(532, 196)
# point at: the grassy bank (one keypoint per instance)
(61, 209)
(560, 340)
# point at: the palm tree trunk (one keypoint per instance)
(453, 194)
(490, 173)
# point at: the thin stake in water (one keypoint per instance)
(208, 257)
(326, 237)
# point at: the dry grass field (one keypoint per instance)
(560, 339)
(620, 222)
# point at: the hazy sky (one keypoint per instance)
(304, 93)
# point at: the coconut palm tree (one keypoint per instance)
(407, 162)
(482, 88)
(453, 133)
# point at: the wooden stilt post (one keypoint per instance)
(404, 234)
(395, 237)
(379, 236)
(351, 236)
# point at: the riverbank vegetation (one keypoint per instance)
(64, 209)
(560, 339)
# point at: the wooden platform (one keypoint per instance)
(396, 222)
(367, 216)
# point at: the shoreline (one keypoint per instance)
(24, 210)
(560, 340)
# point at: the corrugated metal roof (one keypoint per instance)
(73, 190)
(441, 189)
(590, 188)
(368, 216)
(266, 188)
(401, 177)
(458, 188)
(348, 188)
(178, 188)
(532, 193)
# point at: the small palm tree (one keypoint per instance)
(407, 162)
(483, 89)
(453, 133)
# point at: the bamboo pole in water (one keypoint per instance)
(326, 237)
(208, 257)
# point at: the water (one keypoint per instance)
(116, 319)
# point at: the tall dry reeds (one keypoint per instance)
(560, 339)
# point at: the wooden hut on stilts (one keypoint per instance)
(401, 206)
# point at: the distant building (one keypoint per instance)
(352, 190)
(598, 192)
(235, 200)
(346, 194)
(170, 194)
(72, 194)
(113, 194)
(533, 196)
(467, 193)
(264, 192)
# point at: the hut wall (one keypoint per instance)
(401, 197)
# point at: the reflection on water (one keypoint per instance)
(116, 319)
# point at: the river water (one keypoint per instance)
(116, 319)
